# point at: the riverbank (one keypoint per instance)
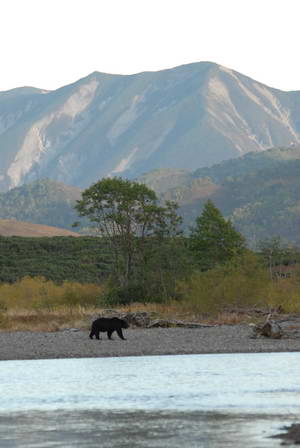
(74, 343)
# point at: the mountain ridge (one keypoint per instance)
(190, 116)
(259, 192)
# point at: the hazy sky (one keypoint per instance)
(50, 43)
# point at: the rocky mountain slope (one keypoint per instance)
(188, 117)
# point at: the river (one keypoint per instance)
(154, 401)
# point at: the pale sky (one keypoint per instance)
(51, 43)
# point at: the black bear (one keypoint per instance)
(109, 325)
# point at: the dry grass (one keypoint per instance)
(38, 305)
(11, 227)
(77, 316)
(46, 320)
(219, 296)
(63, 317)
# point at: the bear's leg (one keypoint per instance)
(98, 335)
(109, 333)
(91, 335)
(120, 334)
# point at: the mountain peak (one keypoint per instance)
(188, 117)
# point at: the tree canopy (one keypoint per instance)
(213, 239)
(128, 215)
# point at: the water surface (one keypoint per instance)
(197, 400)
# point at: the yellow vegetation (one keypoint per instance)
(38, 304)
(244, 284)
(40, 294)
(227, 294)
(12, 227)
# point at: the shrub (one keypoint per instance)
(38, 293)
(238, 283)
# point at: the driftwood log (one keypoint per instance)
(269, 329)
(164, 323)
(143, 319)
(291, 436)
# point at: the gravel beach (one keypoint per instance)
(155, 341)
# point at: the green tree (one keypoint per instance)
(136, 227)
(214, 240)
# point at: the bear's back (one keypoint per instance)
(107, 324)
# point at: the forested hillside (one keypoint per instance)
(41, 202)
(258, 192)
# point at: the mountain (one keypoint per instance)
(259, 192)
(43, 202)
(11, 227)
(188, 117)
